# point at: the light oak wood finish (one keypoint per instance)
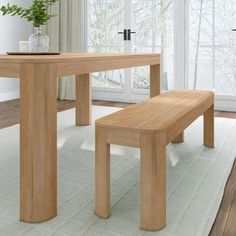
(38, 139)
(102, 202)
(38, 78)
(150, 125)
(79, 57)
(155, 72)
(83, 100)
(10, 70)
(9, 115)
(123, 137)
(209, 127)
(81, 63)
(162, 113)
(113, 63)
(179, 138)
(153, 181)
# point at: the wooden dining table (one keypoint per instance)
(38, 115)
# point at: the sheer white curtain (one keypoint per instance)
(67, 33)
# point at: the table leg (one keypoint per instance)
(83, 100)
(38, 142)
(155, 80)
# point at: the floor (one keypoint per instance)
(225, 221)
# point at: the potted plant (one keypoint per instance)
(38, 14)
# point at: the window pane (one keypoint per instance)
(141, 75)
(200, 22)
(212, 46)
(105, 19)
(225, 82)
(200, 68)
(154, 26)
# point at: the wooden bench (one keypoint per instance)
(150, 125)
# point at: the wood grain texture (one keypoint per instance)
(82, 63)
(105, 63)
(179, 138)
(38, 138)
(222, 222)
(154, 123)
(209, 127)
(230, 224)
(155, 80)
(153, 181)
(38, 77)
(73, 57)
(10, 70)
(9, 115)
(9, 111)
(161, 113)
(225, 114)
(124, 138)
(102, 173)
(83, 100)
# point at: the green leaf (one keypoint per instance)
(37, 13)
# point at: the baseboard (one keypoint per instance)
(9, 96)
(223, 103)
(225, 108)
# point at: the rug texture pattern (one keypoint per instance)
(196, 177)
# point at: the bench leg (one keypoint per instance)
(102, 174)
(209, 127)
(153, 182)
(179, 138)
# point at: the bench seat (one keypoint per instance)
(160, 113)
(150, 125)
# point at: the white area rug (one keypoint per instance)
(196, 177)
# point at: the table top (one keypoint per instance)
(76, 63)
(69, 57)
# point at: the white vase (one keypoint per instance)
(39, 42)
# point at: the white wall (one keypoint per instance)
(12, 30)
